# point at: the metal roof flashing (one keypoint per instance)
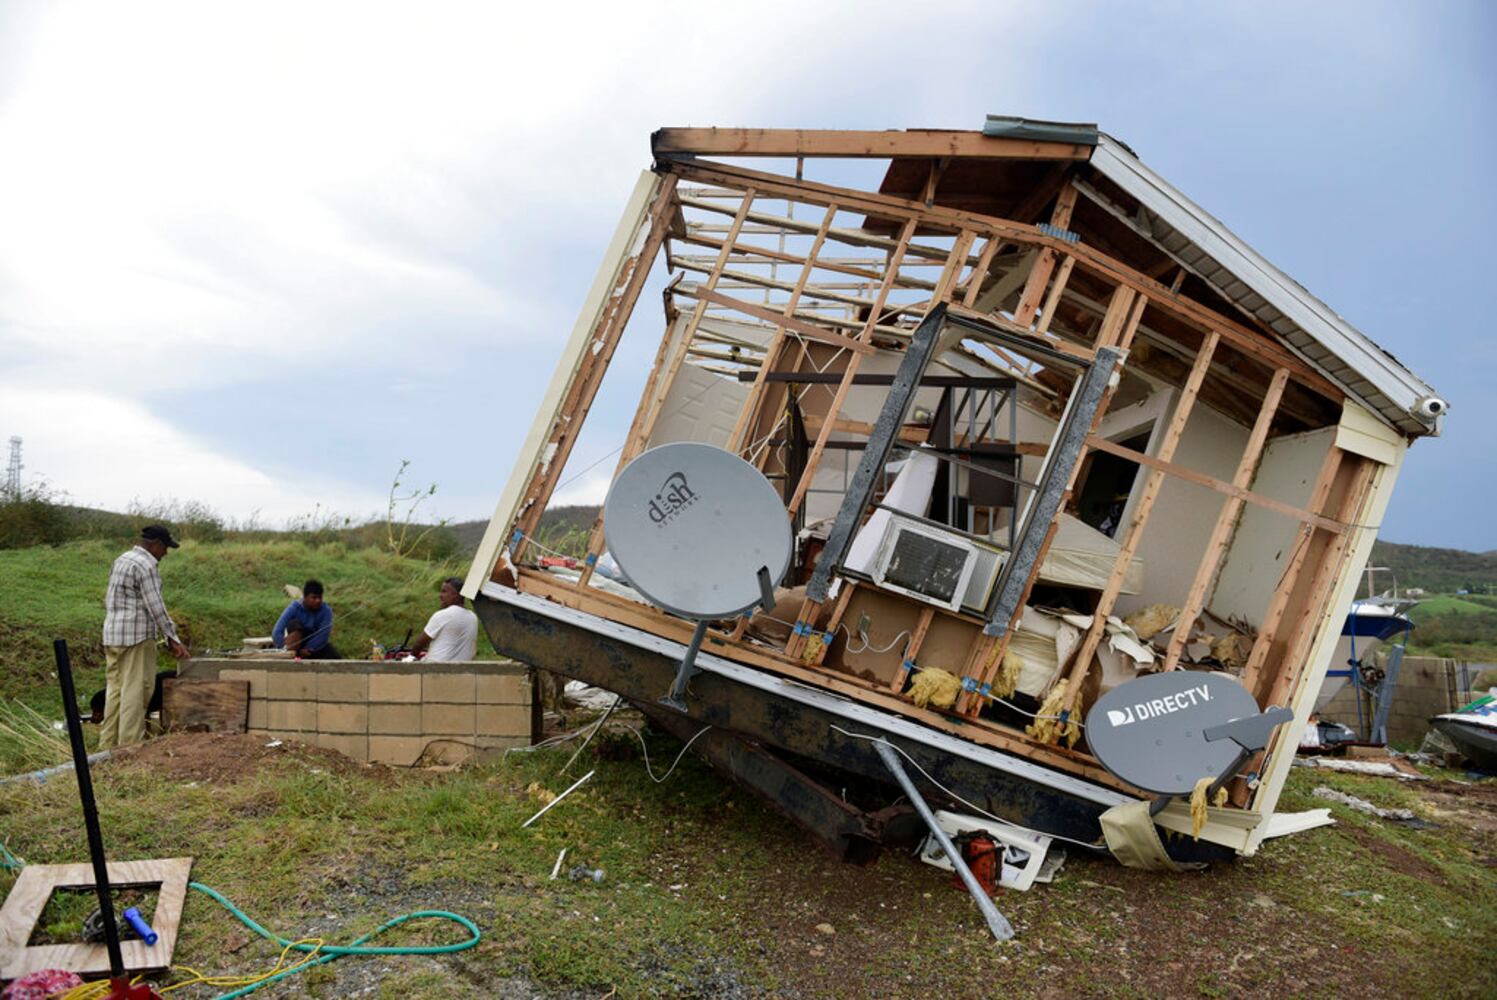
(1246, 278)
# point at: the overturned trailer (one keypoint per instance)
(1040, 424)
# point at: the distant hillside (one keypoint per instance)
(1439, 570)
(561, 528)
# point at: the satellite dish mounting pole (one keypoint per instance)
(676, 698)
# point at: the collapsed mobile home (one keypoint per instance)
(1019, 395)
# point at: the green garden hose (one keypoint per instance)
(357, 947)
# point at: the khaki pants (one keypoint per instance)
(129, 675)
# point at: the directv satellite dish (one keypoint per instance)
(699, 532)
(1164, 732)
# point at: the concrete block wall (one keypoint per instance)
(1427, 686)
(392, 713)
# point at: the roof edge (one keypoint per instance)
(1400, 385)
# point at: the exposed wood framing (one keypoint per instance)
(1117, 331)
(1220, 486)
(1255, 343)
(838, 400)
(1226, 522)
(1134, 533)
(748, 416)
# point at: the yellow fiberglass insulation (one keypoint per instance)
(1006, 682)
(1198, 805)
(933, 686)
(1047, 726)
(1147, 622)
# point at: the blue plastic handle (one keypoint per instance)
(142, 928)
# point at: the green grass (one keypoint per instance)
(1447, 604)
(706, 891)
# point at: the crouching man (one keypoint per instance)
(451, 634)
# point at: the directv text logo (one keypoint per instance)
(674, 497)
(1156, 707)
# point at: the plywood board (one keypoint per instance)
(205, 706)
(34, 887)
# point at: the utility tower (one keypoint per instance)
(13, 470)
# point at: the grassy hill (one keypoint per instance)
(1442, 571)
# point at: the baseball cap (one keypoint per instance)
(156, 533)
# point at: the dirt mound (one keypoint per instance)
(221, 759)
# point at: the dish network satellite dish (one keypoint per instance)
(700, 533)
(1165, 732)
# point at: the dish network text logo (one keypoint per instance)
(674, 497)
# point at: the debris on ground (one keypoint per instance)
(1390, 768)
(1361, 805)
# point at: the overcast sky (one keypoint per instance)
(254, 255)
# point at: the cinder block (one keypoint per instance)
(395, 720)
(401, 751)
(338, 686)
(458, 689)
(256, 680)
(447, 720)
(502, 689)
(336, 717)
(257, 714)
(291, 685)
(291, 716)
(356, 747)
(403, 688)
(503, 720)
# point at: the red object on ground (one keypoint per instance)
(122, 989)
(40, 985)
(984, 857)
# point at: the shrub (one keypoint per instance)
(31, 517)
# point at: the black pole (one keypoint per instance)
(90, 812)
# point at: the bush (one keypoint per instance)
(32, 518)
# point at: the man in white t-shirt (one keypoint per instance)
(452, 633)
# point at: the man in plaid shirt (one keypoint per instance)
(135, 616)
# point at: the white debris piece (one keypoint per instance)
(1361, 805)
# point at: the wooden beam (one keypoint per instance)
(749, 413)
(673, 142)
(1221, 533)
(1044, 267)
(613, 317)
(790, 322)
(1212, 483)
(849, 373)
(1278, 605)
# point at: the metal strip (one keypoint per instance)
(859, 493)
(1008, 591)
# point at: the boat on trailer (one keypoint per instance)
(1016, 396)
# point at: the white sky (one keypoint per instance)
(255, 254)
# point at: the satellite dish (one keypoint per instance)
(691, 526)
(1164, 732)
(699, 532)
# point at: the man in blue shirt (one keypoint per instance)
(306, 626)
